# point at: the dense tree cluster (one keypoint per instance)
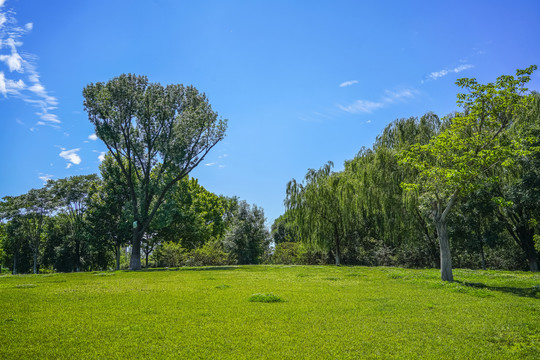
(472, 177)
(84, 223)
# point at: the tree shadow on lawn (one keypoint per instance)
(532, 292)
(202, 268)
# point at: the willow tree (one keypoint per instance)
(455, 161)
(322, 207)
(156, 134)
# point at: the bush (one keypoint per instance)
(169, 254)
(209, 254)
(285, 253)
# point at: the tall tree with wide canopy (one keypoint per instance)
(157, 135)
(455, 161)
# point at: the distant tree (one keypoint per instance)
(455, 161)
(283, 229)
(73, 197)
(28, 211)
(156, 134)
(323, 209)
(247, 238)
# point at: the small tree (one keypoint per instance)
(455, 161)
(156, 134)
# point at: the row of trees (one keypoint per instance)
(84, 223)
(473, 176)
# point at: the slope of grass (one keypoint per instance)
(323, 313)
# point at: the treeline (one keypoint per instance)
(472, 177)
(84, 223)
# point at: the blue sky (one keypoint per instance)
(301, 82)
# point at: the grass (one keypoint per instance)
(328, 313)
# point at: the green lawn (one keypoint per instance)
(317, 312)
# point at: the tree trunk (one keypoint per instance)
(77, 255)
(483, 256)
(444, 247)
(526, 237)
(117, 248)
(146, 262)
(533, 264)
(35, 262)
(135, 261)
(14, 272)
(338, 250)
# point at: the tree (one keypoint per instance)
(73, 197)
(247, 238)
(322, 207)
(156, 134)
(109, 213)
(518, 195)
(454, 162)
(27, 213)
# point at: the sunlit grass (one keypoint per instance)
(327, 313)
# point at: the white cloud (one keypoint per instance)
(69, 165)
(44, 177)
(361, 106)
(439, 74)
(93, 137)
(210, 164)
(101, 156)
(71, 155)
(367, 106)
(348, 83)
(10, 87)
(23, 81)
(223, 156)
(392, 96)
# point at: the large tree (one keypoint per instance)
(455, 161)
(157, 135)
(323, 208)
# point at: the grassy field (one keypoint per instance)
(271, 312)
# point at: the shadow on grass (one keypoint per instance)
(532, 292)
(202, 268)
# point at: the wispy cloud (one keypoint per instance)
(93, 137)
(348, 83)
(210, 164)
(44, 177)
(71, 156)
(401, 95)
(22, 78)
(367, 106)
(439, 74)
(361, 106)
(101, 156)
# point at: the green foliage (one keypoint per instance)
(156, 135)
(322, 208)
(170, 254)
(247, 239)
(362, 313)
